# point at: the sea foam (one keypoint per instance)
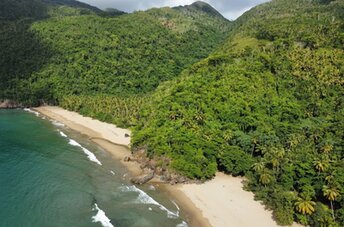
(57, 123)
(146, 199)
(101, 217)
(89, 154)
(31, 111)
(62, 134)
(183, 224)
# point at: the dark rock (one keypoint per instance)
(8, 104)
(126, 135)
(142, 179)
(165, 178)
(127, 159)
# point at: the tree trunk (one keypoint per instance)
(332, 210)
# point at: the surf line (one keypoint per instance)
(101, 217)
(89, 154)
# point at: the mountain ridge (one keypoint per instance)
(123, 48)
(201, 6)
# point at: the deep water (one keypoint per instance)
(52, 176)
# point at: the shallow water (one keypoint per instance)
(52, 176)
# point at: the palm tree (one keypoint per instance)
(327, 148)
(331, 193)
(265, 178)
(259, 166)
(305, 206)
(321, 165)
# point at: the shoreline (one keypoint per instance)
(220, 202)
(112, 141)
(105, 135)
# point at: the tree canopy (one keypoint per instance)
(261, 97)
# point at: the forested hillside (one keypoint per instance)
(85, 52)
(22, 52)
(269, 105)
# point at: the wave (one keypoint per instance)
(183, 224)
(89, 154)
(112, 172)
(57, 123)
(101, 217)
(62, 134)
(146, 199)
(31, 111)
(175, 205)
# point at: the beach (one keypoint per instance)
(106, 135)
(220, 202)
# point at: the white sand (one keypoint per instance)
(80, 123)
(221, 202)
(224, 203)
(108, 136)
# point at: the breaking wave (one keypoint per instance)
(101, 217)
(89, 154)
(146, 199)
(31, 111)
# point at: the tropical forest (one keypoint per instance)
(261, 96)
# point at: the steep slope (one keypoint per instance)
(126, 55)
(21, 52)
(268, 105)
(73, 4)
(200, 6)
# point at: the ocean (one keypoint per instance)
(53, 176)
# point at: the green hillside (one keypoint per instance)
(87, 53)
(267, 105)
(261, 97)
(22, 52)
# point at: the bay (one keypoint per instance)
(53, 176)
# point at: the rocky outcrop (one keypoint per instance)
(143, 178)
(9, 104)
(155, 168)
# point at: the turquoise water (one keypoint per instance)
(52, 176)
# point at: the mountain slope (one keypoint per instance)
(72, 3)
(200, 6)
(268, 105)
(21, 52)
(126, 55)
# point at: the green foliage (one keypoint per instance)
(21, 51)
(122, 111)
(90, 54)
(272, 99)
(268, 104)
(235, 161)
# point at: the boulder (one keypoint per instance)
(142, 179)
(8, 104)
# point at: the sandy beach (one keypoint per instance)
(221, 202)
(107, 136)
(224, 203)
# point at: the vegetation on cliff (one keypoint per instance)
(79, 51)
(268, 103)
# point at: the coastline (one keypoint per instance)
(113, 140)
(105, 135)
(220, 202)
